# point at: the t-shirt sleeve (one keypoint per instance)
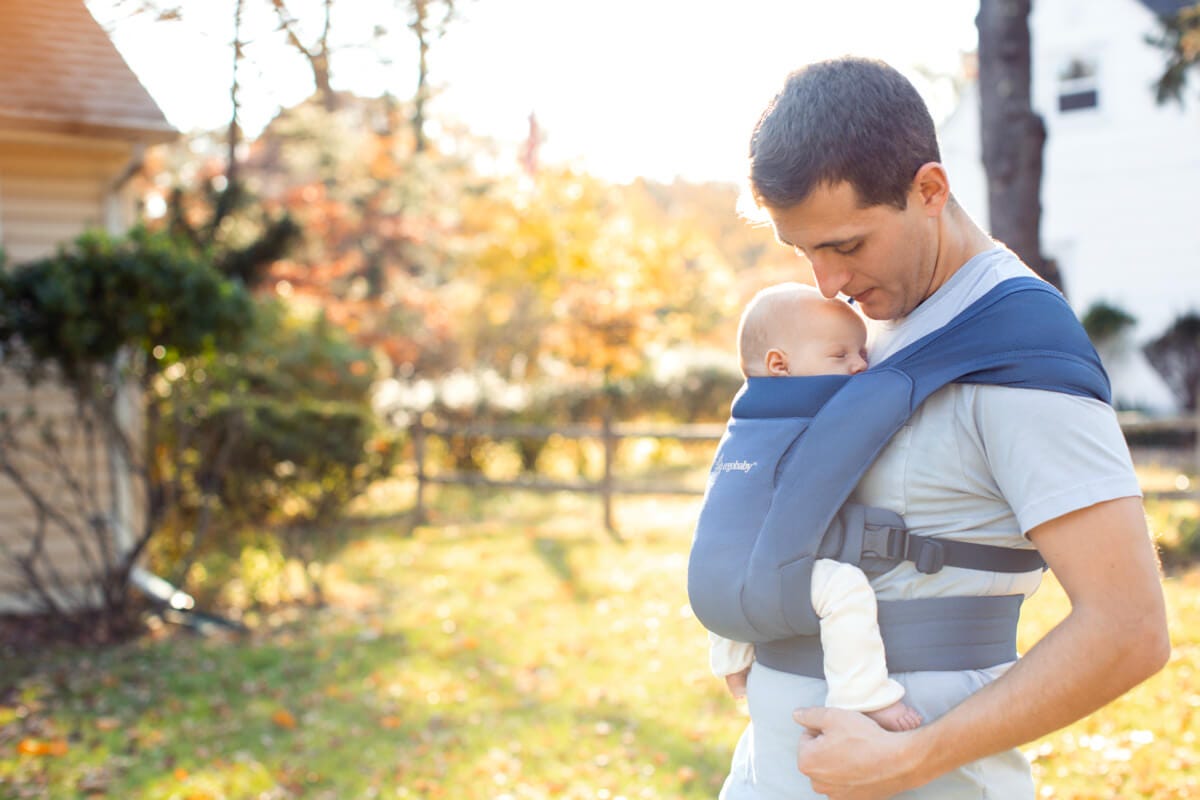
(1052, 453)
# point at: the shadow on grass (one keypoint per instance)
(473, 667)
(555, 553)
(349, 713)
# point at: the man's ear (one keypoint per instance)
(777, 363)
(931, 188)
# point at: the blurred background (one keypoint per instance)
(361, 362)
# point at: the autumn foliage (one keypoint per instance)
(453, 259)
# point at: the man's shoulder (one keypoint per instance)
(984, 411)
(1019, 400)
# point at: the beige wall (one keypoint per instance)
(51, 189)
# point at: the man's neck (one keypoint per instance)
(961, 240)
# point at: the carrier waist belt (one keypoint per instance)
(933, 633)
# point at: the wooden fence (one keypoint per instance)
(610, 435)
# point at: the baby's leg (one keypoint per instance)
(855, 667)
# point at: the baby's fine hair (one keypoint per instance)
(761, 316)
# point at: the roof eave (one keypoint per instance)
(134, 131)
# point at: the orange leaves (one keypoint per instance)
(284, 719)
(39, 747)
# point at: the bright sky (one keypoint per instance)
(659, 88)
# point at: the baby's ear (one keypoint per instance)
(777, 363)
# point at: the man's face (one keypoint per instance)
(883, 257)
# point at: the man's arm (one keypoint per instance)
(1114, 637)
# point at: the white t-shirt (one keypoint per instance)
(987, 463)
(974, 463)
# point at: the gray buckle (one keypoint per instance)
(885, 543)
(897, 544)
(930, 556)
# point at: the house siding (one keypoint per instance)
(50, 192)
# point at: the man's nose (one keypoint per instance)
(830, 279)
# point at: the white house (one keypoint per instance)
(1121, 182)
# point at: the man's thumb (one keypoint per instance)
(811, 718)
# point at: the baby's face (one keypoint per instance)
(832, 341)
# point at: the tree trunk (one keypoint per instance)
(420, 27)
(1012, 135)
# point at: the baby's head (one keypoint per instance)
(791, 329)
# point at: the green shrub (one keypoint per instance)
(1176, 356)
(1104, 322)
(280, 434)
(101, 317)
(77, 310)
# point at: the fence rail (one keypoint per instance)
(611, 434)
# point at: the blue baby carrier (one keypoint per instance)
(797, 447)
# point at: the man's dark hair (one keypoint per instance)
(848, 119)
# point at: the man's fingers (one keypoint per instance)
(814, 719)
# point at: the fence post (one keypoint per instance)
(1196, 440)
(418, 434)
(606, 484)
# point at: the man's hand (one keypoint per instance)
(737, 683)
(849, 757)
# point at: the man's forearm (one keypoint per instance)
(1114, 638)
(1078, 667)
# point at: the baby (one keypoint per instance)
(791, 330)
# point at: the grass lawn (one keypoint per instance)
(509, 649)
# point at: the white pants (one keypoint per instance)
(764, 762)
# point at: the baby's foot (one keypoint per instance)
(896, 717)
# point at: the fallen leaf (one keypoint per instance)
(284, 719)
(36, 747)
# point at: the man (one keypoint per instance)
(845, 161)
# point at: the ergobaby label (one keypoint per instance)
(737, 465)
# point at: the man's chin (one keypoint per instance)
(874, 306)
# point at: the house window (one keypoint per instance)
(1078, 88)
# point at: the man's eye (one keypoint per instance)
(845, 251)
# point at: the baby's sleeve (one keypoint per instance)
(726, 656)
